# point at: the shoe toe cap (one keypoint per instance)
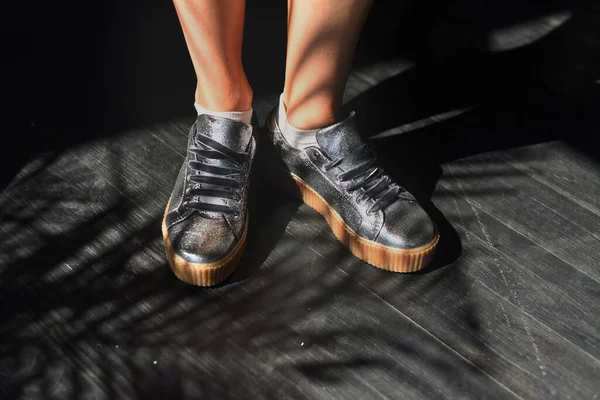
(201, 240)
(406, 226)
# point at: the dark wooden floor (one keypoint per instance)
(508, 309)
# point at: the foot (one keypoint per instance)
(375, 218)
(206, 220)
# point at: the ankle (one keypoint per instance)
(310, 115)
(224, 97)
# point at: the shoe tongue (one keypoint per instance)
(232, 134)
(340, 139)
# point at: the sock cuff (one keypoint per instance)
(297, 138)
(284, 123)
(240, 116)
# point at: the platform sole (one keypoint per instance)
(201, 274)
(380, 256)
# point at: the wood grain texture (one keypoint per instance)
(91, 306)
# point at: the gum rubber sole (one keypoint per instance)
(376, 254)
(200, 274)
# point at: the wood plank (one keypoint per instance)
(561, 167)
(456, 306)
(528, 275)
(535, 210)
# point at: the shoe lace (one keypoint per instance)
(366, 174)
(215, 181)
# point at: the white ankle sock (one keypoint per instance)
(240, 116)
(297, 138)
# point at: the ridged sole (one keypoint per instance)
(376, 254)
(200, 274)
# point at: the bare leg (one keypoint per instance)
(322, 36)
(213, 32)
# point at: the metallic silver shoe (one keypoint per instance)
(206, 220)
(375, 218)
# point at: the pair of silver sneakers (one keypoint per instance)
(205, 225)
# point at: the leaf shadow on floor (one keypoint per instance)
(91, 308)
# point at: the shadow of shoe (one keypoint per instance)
(270, 212)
